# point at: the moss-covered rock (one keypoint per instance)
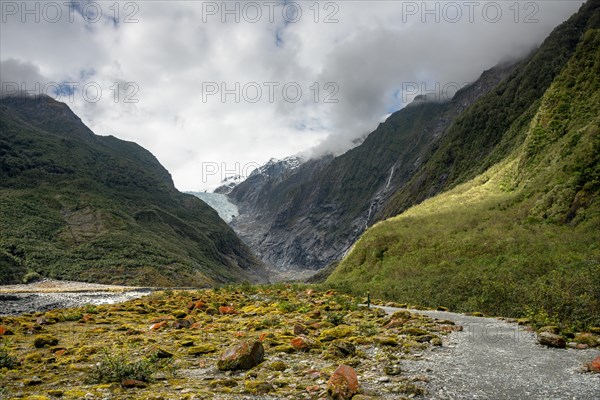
(588, 339)
(201, 349)
(343, 383)
(245, 355)
(258, 387)
(551, 340)
(277, 366)
(386, 340)
(45, 340)
(337, 332)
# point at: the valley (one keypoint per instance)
(487, 202)
(451, 250)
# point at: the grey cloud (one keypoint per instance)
(18, 76)
(382, 58)
(170, 52)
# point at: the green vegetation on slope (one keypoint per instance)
(74, 205)
(493, 127)
(521, 239)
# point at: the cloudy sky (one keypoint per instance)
(217, 88)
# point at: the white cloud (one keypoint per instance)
(166, 59)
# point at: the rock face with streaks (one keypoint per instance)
(304, 217)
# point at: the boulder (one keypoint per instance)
(595, 365)
(244, 356)
(343, 383)
(258, 387)
(338, 332)
(345, 347)
(301, 343)
(5, 331)
(392, 369)
(300, 329)
(278, 366)
(226, 310)
(45, 340)
(551, 340)
(587, 338)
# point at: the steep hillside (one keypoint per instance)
(74, 205)
(520, 239)
(309, 217)
(480, 137)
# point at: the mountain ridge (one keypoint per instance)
(96, 208)
(311, 219)
(521, 238)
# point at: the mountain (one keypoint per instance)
(228, 184)
(309, 219)
(275, 186)
(516, 228)
(74, 205)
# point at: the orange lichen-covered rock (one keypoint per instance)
(595, 365)
(343, 383)
(226, 310)
(301, 343)
(196, 305)
(157, 326)
(244, 356)
(5, 331)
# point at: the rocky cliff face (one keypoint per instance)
(305, 217)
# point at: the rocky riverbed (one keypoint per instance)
(498, 359)
(52, 294)
(170, 345)
(186, 345)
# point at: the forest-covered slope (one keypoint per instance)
(520, 239)
(74, 205)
